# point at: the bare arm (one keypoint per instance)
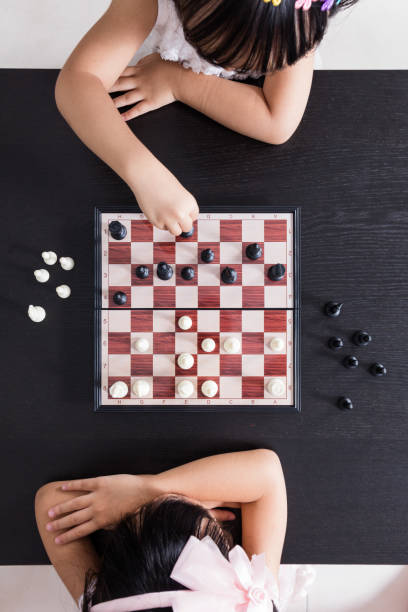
(76, 558)
(82, 87)
(253, 478)
(271, 114)
(82, 97)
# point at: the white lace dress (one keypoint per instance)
(167, 38)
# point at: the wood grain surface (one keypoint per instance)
(347, 167)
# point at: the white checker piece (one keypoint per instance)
(192, 379)
(148, 379)
(134, 336)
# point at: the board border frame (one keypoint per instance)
(296, 309)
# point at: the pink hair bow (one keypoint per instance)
(237, 585)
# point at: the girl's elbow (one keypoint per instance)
(58, 90)
(268, 457)
(282, 133)
(45, 496)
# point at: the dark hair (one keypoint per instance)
(251, 36)
(140, 553)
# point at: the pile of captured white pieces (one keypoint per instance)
(37, 313)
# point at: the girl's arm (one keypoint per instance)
(271, 114)
(76, 558)
(82, 97)
(253, 478)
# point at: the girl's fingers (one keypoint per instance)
(71, 520)
(140, 108)
(131, 97)
(222, 515)
(186, 224)
(194, 212)
(174, 228)
(76, 533)
(76, 503)
(123, 84)
(82, 484)
(129, 71)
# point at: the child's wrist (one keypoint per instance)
(178, 80)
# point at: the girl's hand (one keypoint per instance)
(221, 515)
(100, 504)
(150, 84)
(165, 202)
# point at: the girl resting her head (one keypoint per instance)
(168, 547)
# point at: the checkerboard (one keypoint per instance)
(227, 235)
(242, 378)
(253, 309)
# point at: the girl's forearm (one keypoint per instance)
(270, 114)
(238, 106)
(88, 109)
(236, 477)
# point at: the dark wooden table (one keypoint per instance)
(347, 167)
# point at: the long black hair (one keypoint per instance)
(252, 36)
(140, 553)
(138, 556)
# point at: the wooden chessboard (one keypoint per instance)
(254, 309)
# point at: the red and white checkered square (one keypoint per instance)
(119, 252)
(185, 342)
(227, 235)
(241, 376)
(231, 230)
(142, 230)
